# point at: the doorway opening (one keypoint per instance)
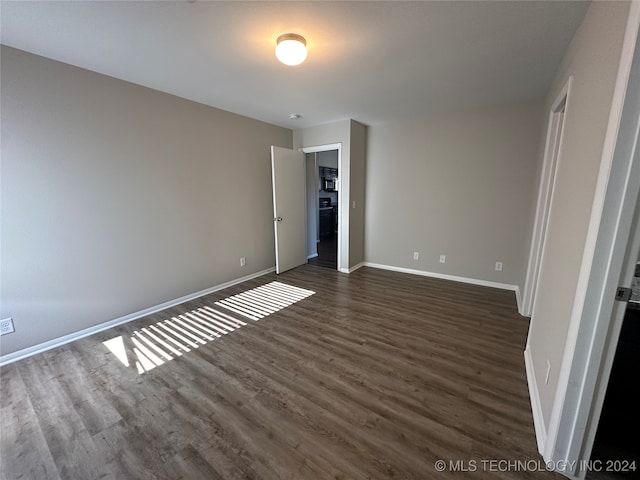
(323, 192)
(297, 185)
(327, 198)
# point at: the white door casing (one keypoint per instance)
(552, 153)
(595, 323)
(343, 202)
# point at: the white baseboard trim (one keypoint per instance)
(352, 269)
(536, 407)
(519, 301)
(443, 276)
(57, 342)
(356, 267)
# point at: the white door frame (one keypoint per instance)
(552, 155)
(593, 330)
(343, 200)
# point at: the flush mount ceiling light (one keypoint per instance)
(291, 49)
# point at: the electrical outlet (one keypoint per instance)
(498, 266)
(6, 326)
(416, 255)
(243, 261)
(443, 259)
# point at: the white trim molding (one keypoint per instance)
(443, 276)
(57, 342)
(344, 170)
(519, 301)
(321, 148)
(536, 407)
(552, 156)
(354, 268)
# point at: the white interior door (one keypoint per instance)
(289, 207)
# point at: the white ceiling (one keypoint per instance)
(370, 61)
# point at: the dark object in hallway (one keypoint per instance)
(327, 222)
(327, 253)
(617, 438)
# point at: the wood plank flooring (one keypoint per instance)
(375, 375)
(327, 253)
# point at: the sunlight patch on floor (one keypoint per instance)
(156, 344)
(262, 301)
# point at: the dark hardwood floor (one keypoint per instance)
(327, 252)
(375, 375)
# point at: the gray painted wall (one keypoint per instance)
(358, 185)
(592, 59)
(116, 198)
(459, 185)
